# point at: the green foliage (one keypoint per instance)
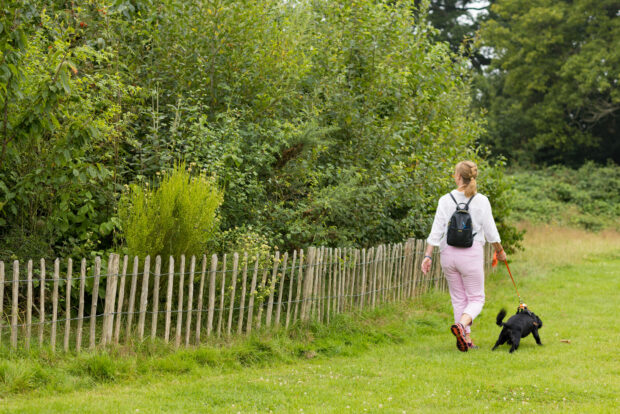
(325, 122)
(178, 217)
(588, 197)
(552, 89)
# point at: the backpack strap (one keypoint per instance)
(466, 204)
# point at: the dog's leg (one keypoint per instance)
(516, 338)
(536, 337)
(503, 337)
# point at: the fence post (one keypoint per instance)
(67, 304)
(178, 331)
(169, 299)
(272, 287)
(28, 306)
(15, 304)
(143, 296)
(299, 284)
(261, 302)
(222, 297)
(78, 335)
(155, 318)
(248, 327)
(93, 306)
(211, 294)
(232, 292)
(110, 299)
(190, 299)
(308, 283)
(132, 297)
(200, 295)
(243, 289)
(290, 290)
(281, 289)
(55, 303)
(121, 299)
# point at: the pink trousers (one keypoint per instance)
(464, 270)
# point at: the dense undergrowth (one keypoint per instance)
(588, 197)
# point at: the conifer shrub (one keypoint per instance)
(177, 217)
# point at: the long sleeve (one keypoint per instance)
(440, 223)
(488, 225)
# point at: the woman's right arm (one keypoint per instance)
(437, 230)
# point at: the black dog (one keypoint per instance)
(518, 326)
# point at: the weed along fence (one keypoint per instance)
(185, 301)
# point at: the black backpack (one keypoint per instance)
(460, 230)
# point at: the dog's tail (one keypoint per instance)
(500, 317)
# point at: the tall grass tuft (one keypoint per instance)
(178, 217)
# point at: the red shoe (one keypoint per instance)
(471, 345)
(458, 330)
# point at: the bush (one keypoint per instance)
(178, 217)
(588, 197)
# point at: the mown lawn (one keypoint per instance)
(570, 278)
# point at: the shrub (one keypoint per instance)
(178, 217)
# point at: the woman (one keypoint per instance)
(464, 266)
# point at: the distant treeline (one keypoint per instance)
(547, 74)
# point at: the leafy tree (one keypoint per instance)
(552, 89)
(457, 22)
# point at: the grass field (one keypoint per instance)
(398, 359)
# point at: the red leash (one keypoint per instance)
(512, 278)
(513, 282)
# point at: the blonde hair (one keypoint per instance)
(468, 170)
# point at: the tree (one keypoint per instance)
(552, 89)
(457, 22)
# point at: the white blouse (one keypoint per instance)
(481, 216)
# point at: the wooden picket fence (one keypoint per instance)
(214, 298)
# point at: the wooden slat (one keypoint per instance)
(144, 297)
(80, 321)
(308, 283)
(272, 287)
(211, 294)
(329, 285)
(315, 296)
(248, 328)
(121, 299)
(352, 283)
(132, 297)
(200, 296)
(55, 303)
(259, 315)
(281, 289)
(156, 281)
(290, 290)
(15, 304)
(28, 305)
(179, 328)
(363, 282)
(232, 292)
(169, 299)
(243, 289)
(67, 305)
(42, 302)
(110, 299)
(300, 281)
(222, 297)
(190, 299)
(93, 306)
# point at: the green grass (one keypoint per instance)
(396, 359)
